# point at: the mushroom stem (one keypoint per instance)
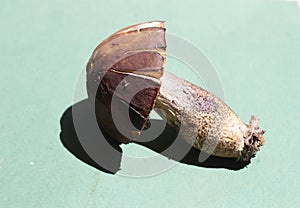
(205, 121)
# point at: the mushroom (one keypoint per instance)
(126, 80)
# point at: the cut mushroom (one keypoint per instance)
(125, 76)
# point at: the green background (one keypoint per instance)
(255, 47)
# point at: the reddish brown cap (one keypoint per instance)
(125, 70)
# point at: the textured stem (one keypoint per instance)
(205, 121)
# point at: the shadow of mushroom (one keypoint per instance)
(70, 140)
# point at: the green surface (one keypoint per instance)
(255, 47)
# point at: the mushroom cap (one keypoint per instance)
(125, 70)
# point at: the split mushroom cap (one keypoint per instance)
(127, 65)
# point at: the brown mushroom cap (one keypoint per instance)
(127, 66)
